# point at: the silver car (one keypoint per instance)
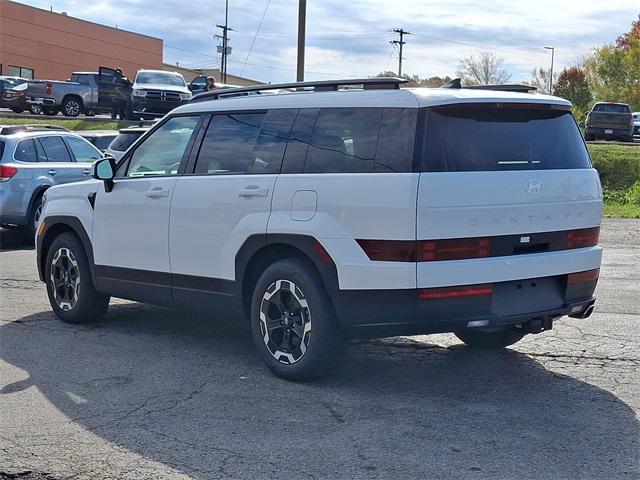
(32, 159)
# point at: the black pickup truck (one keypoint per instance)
(609, 120)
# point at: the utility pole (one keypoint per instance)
(400, 42)
(302, 20)
(553, 52)
(225, 50)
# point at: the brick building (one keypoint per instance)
(36, 43)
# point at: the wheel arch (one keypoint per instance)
(38, 192)
(54, 226)
(260, 251)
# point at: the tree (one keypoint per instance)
(486, 70)
(541, 78)
(613, 71)
(572, 84)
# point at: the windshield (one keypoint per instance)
(611, 108)
(160, 78)
(471, 138)
(124, 141)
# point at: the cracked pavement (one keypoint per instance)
(149, 393)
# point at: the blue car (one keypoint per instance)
(32, 159)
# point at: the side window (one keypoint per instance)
(344, 140)
(396, 140)
(245, 143)
(299, 141)
(82, 150)
(162, 152)
(55, 149)
(26, 151)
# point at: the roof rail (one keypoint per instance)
(378, 83)
(457, 83)
(11, 129)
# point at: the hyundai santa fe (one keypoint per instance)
(327, 211)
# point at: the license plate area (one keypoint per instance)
(608, 131)
(527, 296)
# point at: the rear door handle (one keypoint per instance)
(86, 171)
(157, 192)
(253, 191)
(52, 172)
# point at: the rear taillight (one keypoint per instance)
(48, 88)
(454, 249)
(455, 292)
(389, 250)
(584, 237)
(582, 277)
(7, 172)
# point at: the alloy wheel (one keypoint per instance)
(285, 321)
(72, 108)
(65, 279)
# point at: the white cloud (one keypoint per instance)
(350, 38)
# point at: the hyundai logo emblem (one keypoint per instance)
(533, 186)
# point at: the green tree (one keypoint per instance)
(613, 71)
(572, 84)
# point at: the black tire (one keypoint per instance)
(589, 138)
(34, 216)
(72, 295)
(17, 110)
(35, 108)
(71, 107)
(320, 348)
(490, 340)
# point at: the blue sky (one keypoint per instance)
(350, 38)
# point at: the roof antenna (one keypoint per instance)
(455, 83)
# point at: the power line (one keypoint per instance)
(255, 36)
(401, 32)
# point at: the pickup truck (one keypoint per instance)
(609, 120)
(84, 92)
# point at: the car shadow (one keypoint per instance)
(192, 393)
(14, 239)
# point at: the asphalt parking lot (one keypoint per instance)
(149, 393)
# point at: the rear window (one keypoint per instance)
(472, 138)
(102, 142)
(611, 108)
(124, 141)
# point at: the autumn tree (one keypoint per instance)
(488, 69)
(572, 84)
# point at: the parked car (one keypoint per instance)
(636, 124)
(200, 84)
(157, 92)
(609, 120)
(13, 95)
(126, 137)
(32, 159)
(84, 92)
(16, 80)
(101, 139)
(336, 214)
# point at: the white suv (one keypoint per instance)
(324, 213)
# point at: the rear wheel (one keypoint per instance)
(34, 217)
(71, 107)
(293, 322)
(17, 110)
(490, 340)
(72, 295)
(35, 108)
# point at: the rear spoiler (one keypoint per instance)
(457, 83)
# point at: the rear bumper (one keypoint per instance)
(614, 132)
(380, 313)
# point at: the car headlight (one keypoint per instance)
(185, 96)
(139, 93)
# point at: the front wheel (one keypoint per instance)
(69, 285)
(35, 108)
(293, 322)
(490, 340)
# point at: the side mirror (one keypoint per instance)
(105, 169)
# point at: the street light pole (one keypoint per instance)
(553, 52)
(302, 20)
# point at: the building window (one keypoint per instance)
(22, 72)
